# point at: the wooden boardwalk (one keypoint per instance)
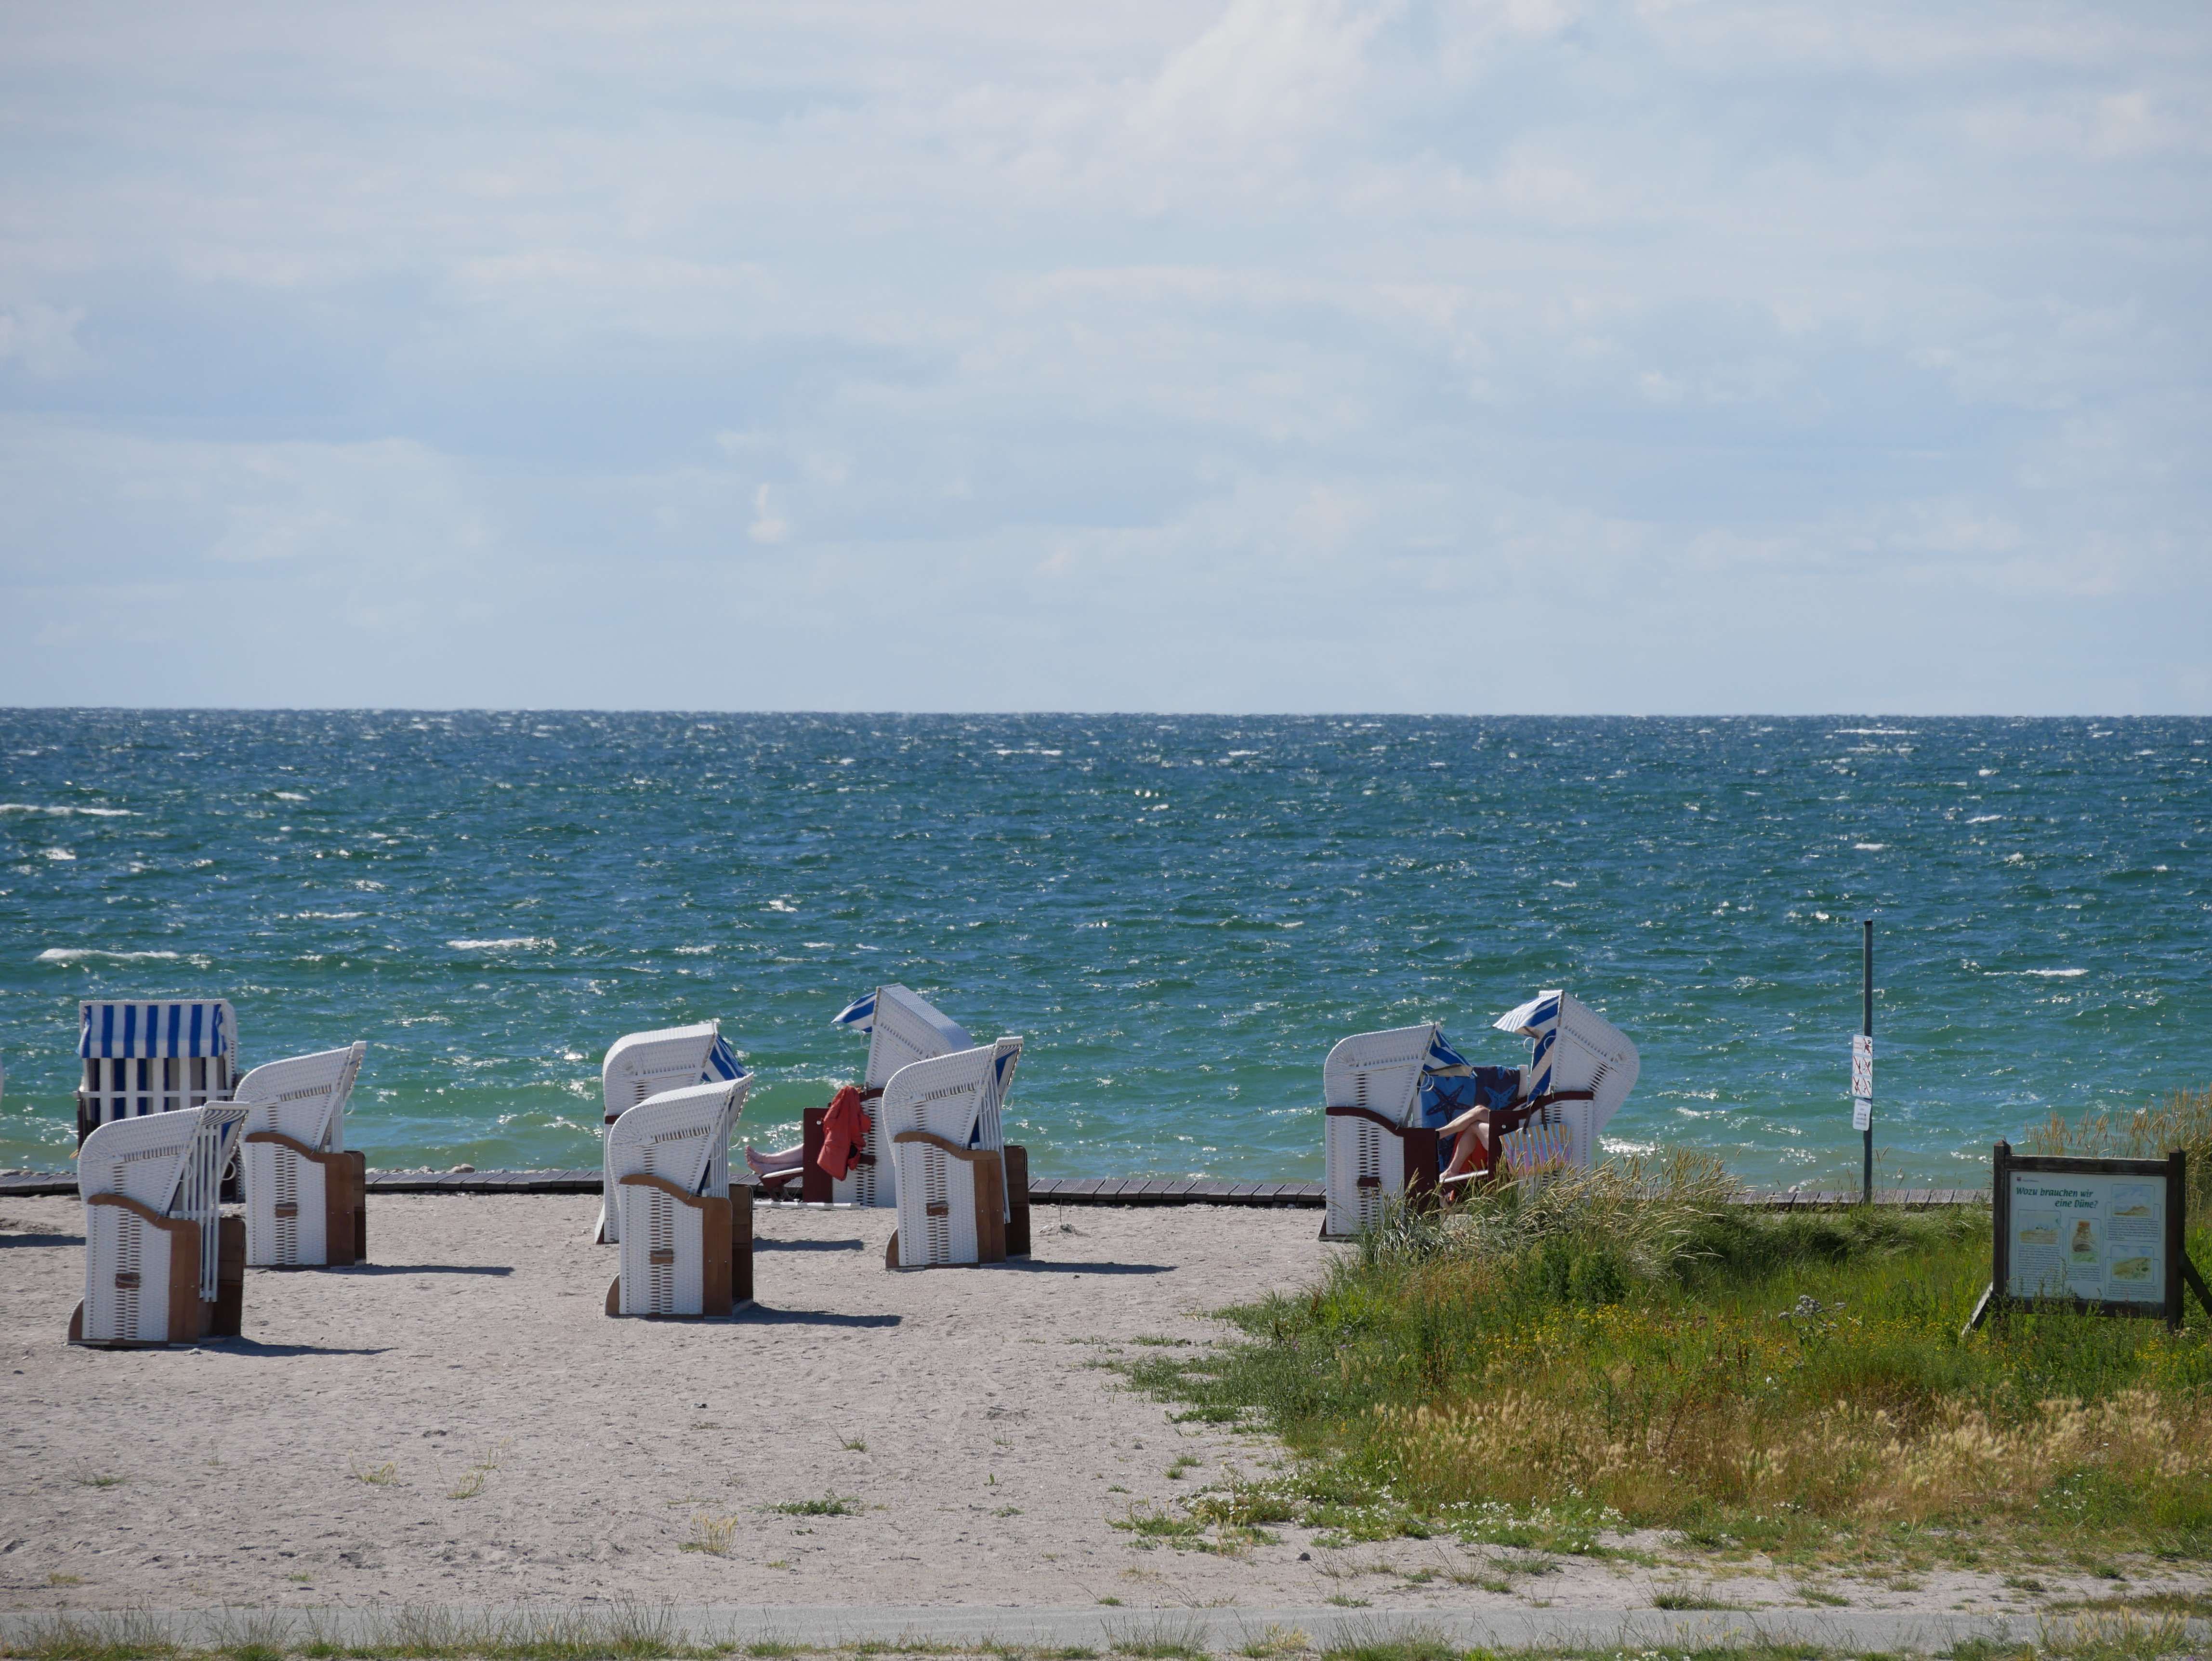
(1043, 1190)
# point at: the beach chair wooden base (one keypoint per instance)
(990, 1201)
(343, 1179)
(719, 1230)
(741, 1244)
(1417, 1159)
(1018, 1200)
(191, 1318)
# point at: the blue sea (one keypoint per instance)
(1181, 915)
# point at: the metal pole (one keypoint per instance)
(1866, 966)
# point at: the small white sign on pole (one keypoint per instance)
(1862, 1081)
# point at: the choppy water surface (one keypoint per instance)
(1179, 915)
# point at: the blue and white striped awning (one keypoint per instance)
(1538, 1018)
(859, 1015)
(722, 1063)
(160, 1030)
(1441, 1053)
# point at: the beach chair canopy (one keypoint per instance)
(112, 1031)
(639, 1065)
(1381, 1072)
(157, 1056)
(1575, 1047)
(902, 1027)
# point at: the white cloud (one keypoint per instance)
(1206, 355)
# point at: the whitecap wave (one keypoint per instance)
(82, 953)
(58, 853)
(65, 811)
(511, 943)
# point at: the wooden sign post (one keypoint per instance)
(2103, 1237)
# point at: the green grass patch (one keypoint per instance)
(1538, 1367)
(829, 1505)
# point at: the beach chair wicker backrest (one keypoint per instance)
(643, 1064)
(142, 1057)
(908, 1028)
(1378, 1071)
(303, 1097)
(681, 1137)
(944, 1097)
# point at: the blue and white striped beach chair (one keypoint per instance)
(1581, 1069)
(152, 1057)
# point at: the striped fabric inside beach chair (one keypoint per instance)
(1372, 1144)
(152, 1057)
(668, 1161)
(1581, 1069)
(941, 1121)
(162, 1264)
(304, 1194)
(641, 1065)
(903, 1027)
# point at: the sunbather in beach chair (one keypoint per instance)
(162, 1264)
(142, 1057)
(668, 1161)
(940, 1120)
(304, 1194)
(1580, 1071)
(641, 1065)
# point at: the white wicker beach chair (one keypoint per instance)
(305, 1194)
(940, 1121)
(668, 1163)
(903, 1027)
(162, 1264)
(1371, 1146)
(1581, 1069)
(142, 1057)
(642, 1065)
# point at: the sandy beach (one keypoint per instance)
(459, 1422)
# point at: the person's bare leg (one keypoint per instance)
(779, 1163)
(1472, 1139)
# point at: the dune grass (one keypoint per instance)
(1627, 1348)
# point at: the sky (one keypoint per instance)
(1528, 356)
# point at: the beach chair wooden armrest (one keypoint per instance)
(145, 1213)
(975, 1156)
(1368, 1113)
(661, 1184)
(321, 1156)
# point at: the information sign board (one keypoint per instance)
(1863, 1067)
(2101, 1233)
